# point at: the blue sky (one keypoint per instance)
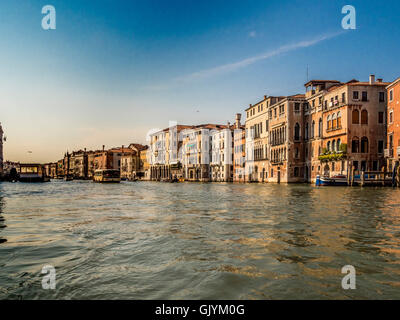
(113, 70)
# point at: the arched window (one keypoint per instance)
(338, 145)
(339, 120)
(355, 117)
(306, 132)
(364, 145)
(320, 127)
(355, 145)
(312, 129)
(328, 146)
(297, 132)
(334, 145)
(334, 122)
(364, 117)
(328, 122)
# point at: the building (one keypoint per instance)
(165, 153)
(195, 153)
(257, 139)
(239, 152)
(286, 159)
(130, 161)
(353, 128)
(144, 173)
(392, 153)
(222, 149)
(313, 124)
(80, 164)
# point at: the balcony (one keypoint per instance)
(388, 153)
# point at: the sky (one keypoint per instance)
(112, 71)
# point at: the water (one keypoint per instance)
(145, 240)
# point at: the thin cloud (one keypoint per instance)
(252, 34)
(230, 67)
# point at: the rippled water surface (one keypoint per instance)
(144, 240)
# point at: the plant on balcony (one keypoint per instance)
(327, 156)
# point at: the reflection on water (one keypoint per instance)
(148, 240)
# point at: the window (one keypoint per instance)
(391, 95)
(343, 97)
(334, 145)
(312, 129)
(328, 146)
(334, 122)
(306, 132)
(320, 127)
(391, 117)
(328, 123)
(364, 117)
(364, 145)
(339, 120)
(380, 117)
(364, 96)
(355, 95)
(355, 145)
(297, 132)
(296, 171)
(380, 146)
(381, 97)
(338, 145)
(355, 117)
(297, 107)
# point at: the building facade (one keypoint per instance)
(392, 153)
(239, 151)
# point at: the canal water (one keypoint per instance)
(145, 240)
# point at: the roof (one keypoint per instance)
(265, 98)
(393, 83)
(320, 82)
(138, 146)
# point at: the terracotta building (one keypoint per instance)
(392, 152)
(353, 128)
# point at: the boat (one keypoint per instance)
(107, 175)
(338, 180)
(30, 172)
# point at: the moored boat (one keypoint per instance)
(107, 175)
(30, 172)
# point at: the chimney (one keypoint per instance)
(251, 105)
(371, 79)
(265, 97)
(238, 117)
(228, 124)
(380, 80)
(103, 147)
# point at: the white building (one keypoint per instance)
(221, 164)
